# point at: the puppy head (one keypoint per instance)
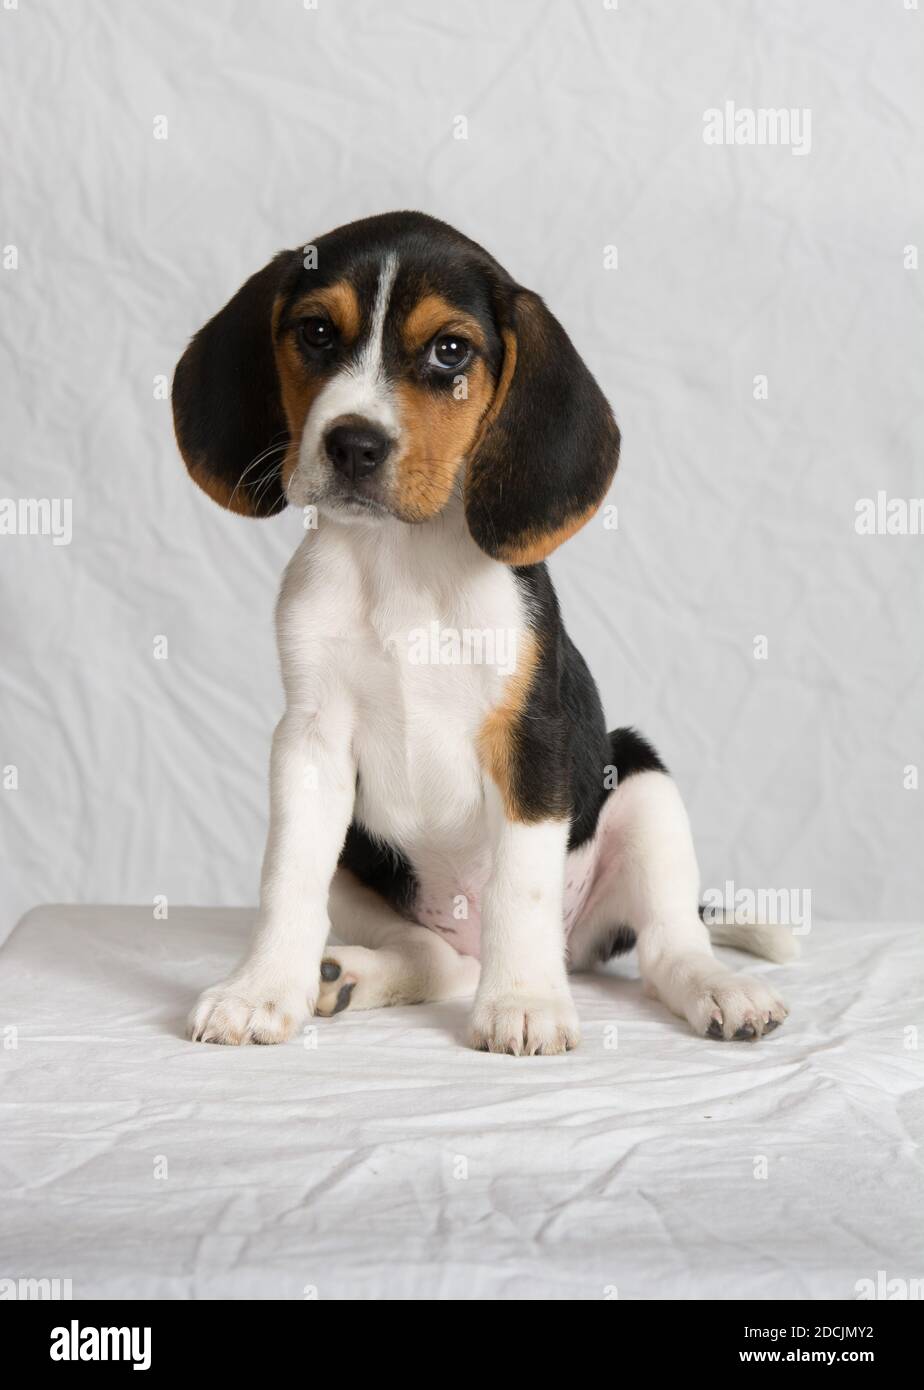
(395, 367)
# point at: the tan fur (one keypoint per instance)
(434, 313)
(337, 302)
(236, 499)
(495, 407)
(297, 387)
(503, 386)
(439, 431)
(496, 737)
(534, 546)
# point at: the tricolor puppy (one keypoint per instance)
(445, 795)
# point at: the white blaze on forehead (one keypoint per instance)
(370, 359)
(361, 387)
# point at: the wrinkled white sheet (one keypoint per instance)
(385, 1160)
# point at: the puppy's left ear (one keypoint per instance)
(227, 407)
(549, 446)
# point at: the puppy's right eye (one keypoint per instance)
(316, 333)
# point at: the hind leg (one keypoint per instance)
(385, 959)
(649, 883)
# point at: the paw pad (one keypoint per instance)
(343, 995)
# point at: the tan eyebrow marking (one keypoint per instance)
(298, 388)
(338, 302)
(432, 313)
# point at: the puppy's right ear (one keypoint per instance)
(227, 408)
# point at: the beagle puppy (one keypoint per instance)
(445, 795)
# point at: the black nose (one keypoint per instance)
(356, 450)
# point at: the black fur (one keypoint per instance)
(549, 455)
(432, 257)
(565, 750)
(226, 404)
(616, 943)
(562, 753)
(631, 753)
(381, 867)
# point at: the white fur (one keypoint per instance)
(391, 961)
(362, 388)
(775, 943)
(654, 889)
(523, 1004)
(355, 702)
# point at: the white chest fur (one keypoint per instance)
(414, 632)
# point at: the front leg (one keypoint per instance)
(312, 788)
(523, 1003)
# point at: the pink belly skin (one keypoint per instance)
(450, 905)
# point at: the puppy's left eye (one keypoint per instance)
(450, 352)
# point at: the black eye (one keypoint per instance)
(449, 351)
(316, 332)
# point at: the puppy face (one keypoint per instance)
(388, 360)
(392, 368)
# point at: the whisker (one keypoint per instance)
(264, 485)
(261, 458)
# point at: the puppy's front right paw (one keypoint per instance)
(235, 1013)
(523, 1026)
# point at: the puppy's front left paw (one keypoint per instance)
(524, 1026)
(736, 1007)
(235, 1013)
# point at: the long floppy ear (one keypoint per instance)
(227, 409)
(549, 447)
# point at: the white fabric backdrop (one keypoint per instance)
(138, 776)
